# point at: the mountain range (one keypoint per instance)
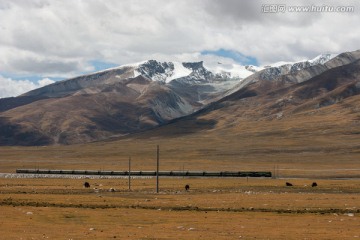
(171, 98)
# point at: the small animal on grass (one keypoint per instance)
(86, 184)
(314, 184)
(289, 184)
(187, 187)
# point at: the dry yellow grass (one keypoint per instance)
(321, 146)
(225, 208)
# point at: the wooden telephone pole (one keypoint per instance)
(129, 173)
(157, 169)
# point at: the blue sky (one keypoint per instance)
(31, 78)
(101, 65)
(236, 56)
(95, 65)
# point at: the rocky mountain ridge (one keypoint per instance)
(138, 97)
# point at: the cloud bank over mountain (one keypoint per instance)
(61, 39)
(12, 88)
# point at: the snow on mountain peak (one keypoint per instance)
(281, 68)
(179, 71)
(322, 58)
(158, 71)
(206, 72)
(168, 71)
(232, 70)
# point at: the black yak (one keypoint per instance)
(187, 187)
(86, 185)
(289, 184)
(314, 184)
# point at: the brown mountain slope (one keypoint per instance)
(270, 99)
(318, 118)
(285, 76)
(92, 113)
(105, 104)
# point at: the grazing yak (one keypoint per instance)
(314, 184)
(86, 185)
(289, 184)
(187, 187)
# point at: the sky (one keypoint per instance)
(42, 41)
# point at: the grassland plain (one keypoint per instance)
(220, 208)
(315, 145)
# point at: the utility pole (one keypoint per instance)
(129, 173)
(157, 169)
(274, 172)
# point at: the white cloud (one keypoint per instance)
(12, 88)
(45, 81)
(59, 38)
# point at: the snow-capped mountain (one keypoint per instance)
(281, 68)
(295, 72)
(196, 72)
(320, 59)
(323, 58)
(199, 72)
(215, 79)
(139, 96)
(168, 71)
(155, 70)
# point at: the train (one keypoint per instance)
(148, 173)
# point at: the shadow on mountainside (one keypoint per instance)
(15, 134)
(14, 102)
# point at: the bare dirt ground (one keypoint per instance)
(218, 208)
